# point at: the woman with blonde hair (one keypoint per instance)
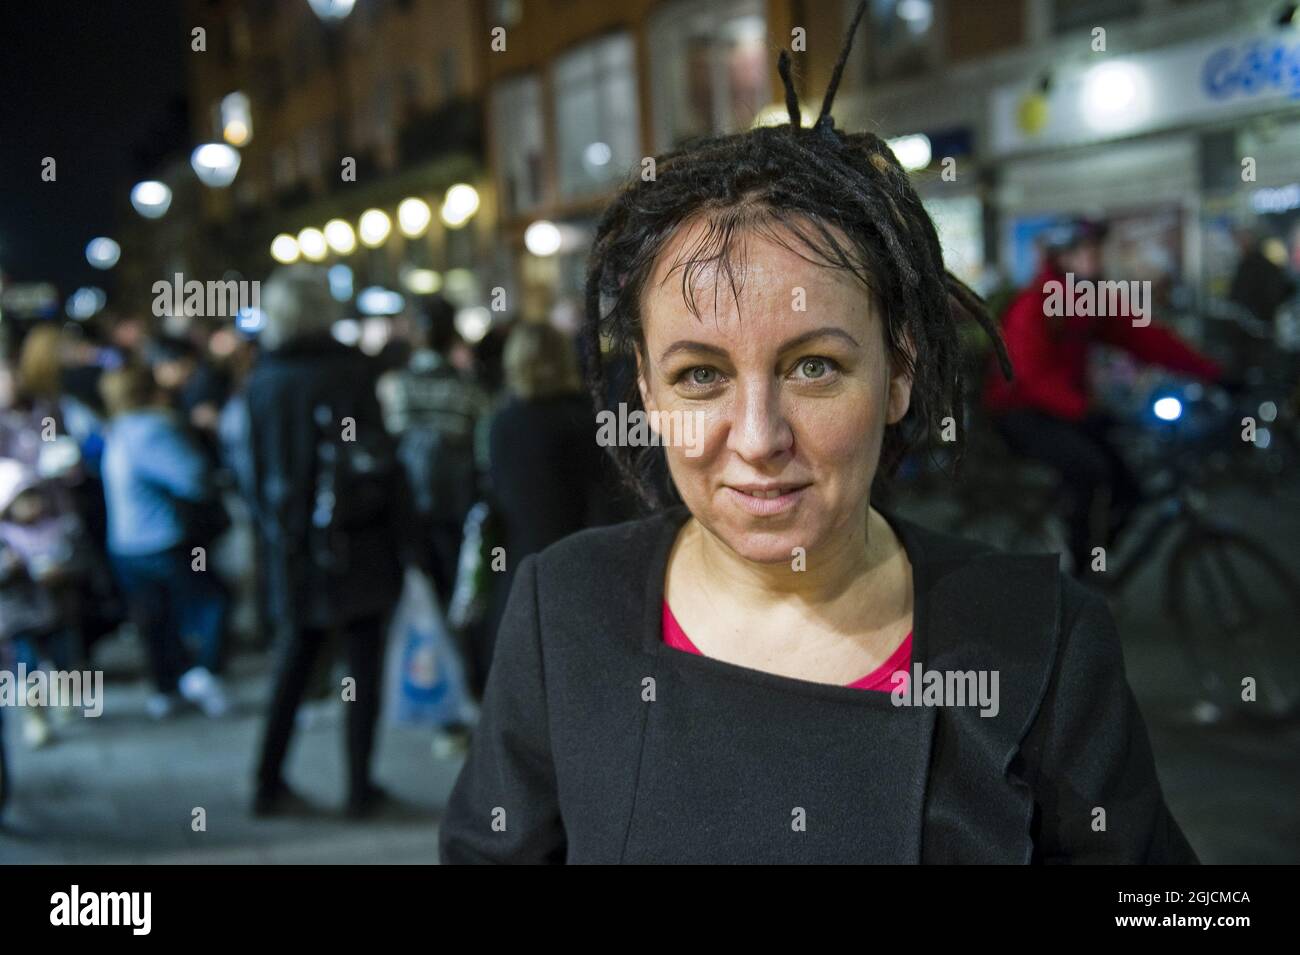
(543, 464)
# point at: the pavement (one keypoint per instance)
(123, 788)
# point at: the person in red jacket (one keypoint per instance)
(1045, 412)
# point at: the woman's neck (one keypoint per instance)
(841, 567)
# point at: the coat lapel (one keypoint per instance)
(982, 612)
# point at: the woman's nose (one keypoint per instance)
(759, 429)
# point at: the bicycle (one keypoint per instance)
(1235, 604)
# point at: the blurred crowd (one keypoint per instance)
(235, 489)
(223, 490)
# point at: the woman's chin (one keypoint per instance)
(767, 547)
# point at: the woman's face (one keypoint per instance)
(791, 393)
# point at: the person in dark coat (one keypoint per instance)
(544, 467)
(328, 493)
(769, 669)
(432, 409)
(1259, 284)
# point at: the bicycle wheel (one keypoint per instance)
(1237, 608)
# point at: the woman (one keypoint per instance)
(717, 683)
(155, 480)
(543, 464)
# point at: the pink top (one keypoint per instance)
(881, 678)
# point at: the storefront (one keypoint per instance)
(1174, 147)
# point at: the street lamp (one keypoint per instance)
(85, 302)
(340, 236)
(331, 11)
(413, 217)
(311, 242)
(103, 253)
(542, 238)
(459, 205)
(216, 164)
(373, 227)
(284, 249)
(151, 199)
(236, 119)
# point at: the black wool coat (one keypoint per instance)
(284, 391)
(600, 744)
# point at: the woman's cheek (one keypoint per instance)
(840, 430)
(703, 433)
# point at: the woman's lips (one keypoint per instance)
(765, 502)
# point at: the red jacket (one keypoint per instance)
(1049, 355)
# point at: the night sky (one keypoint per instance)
(99, 85)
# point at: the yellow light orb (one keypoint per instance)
(311, 242)
(340, 237)
(284, 249)
(374, 228)
(413, 217)
(459, 205)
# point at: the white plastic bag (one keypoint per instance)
(427, 678)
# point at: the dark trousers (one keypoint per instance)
(444, 544)
(1090, 467)
(364, 644)
(172, 604)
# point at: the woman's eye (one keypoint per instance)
(702, 375)
(813, 368)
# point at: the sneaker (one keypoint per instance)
(159, 706)
(205, 691)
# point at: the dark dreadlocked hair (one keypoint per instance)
(815, 186)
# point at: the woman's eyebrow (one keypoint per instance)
(826, 332)
(688, 345)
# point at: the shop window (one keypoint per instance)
(507, 13)
(902, 38)
(709, 65)
(1069, 15)
(596, 115)
(518, 141)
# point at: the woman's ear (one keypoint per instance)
(900, 385)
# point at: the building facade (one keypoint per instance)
(1012, 113)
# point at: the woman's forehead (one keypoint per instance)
(700, 273)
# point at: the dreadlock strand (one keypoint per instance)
(838, 72)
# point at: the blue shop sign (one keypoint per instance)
(1248, 69)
